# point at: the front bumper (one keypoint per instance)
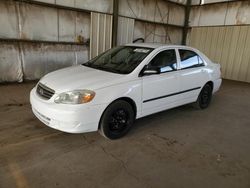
(67, 118)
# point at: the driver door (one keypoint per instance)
(160, 91)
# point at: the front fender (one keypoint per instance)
(130, 90)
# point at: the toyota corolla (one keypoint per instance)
(124, 83)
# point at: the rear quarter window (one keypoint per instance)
(190, 59)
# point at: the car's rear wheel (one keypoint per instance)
(117, 119)
(205, 97)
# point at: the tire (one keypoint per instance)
(205, 97)
(117, 120)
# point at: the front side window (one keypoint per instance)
(165, 61)
(189, 59)
(122, 59)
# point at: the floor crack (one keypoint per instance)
(121, 161)
(124, 166)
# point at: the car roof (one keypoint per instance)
(159, 45)
(156, 45)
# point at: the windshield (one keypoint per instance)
(122, 59)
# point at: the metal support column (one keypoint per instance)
(115, 22)
(186, 23)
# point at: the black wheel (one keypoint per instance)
(117, 119)
(205, 97)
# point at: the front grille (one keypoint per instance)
(44, 92)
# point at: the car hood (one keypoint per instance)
(79, 77)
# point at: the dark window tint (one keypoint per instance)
(190, 59)
(165, 60)
(122, 59)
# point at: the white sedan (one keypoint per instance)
(123, 84)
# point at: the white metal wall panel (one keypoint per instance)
(82, 27)
(153, 10)
(105, 6)
(176, 15)
(73, 26)
(157, 33)
(95, 5)
(25, 21)
(33, 60)
(40, 59)
(67, 3)
(229, 46)
(213, 15)
(33, 20)
(8, 20)
(101, 33)
(195, 2)
(66, 26)
(10, 63)
(139, 30)
(175, 35)
(125, 30)
(233, 13)
(238, 13)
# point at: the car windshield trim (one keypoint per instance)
(119, 60)
(101, 68)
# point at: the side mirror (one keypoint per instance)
(149, 71)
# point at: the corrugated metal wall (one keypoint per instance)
(228, 13)
(34, 22)
(157, 33)
(125, 32)
(204, 2)
(104, 6)
(38, 39)
(100, 33)
(229, 46)
(39, 36)
(159, 13)
(222, 32)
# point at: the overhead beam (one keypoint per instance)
(42, 41)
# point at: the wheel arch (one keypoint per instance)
(211, 84)
(128, 100)
(208, 82)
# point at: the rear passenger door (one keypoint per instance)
(192, 75)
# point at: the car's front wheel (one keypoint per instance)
(117, 119)
(205, 97)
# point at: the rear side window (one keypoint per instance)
(190, 59)
(165, 60)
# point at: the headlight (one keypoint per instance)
(75, 97)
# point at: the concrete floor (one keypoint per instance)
(183, 147)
